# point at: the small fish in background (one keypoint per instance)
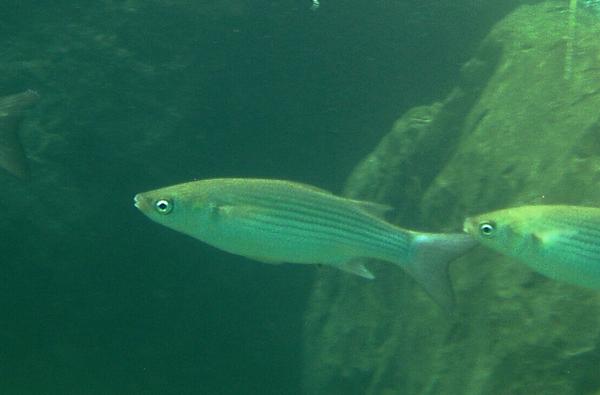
(561, 242)
(12, 155)
(278, 221)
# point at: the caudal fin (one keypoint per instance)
(12, 155)
(429, 264)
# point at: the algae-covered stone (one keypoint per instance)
(516, 131)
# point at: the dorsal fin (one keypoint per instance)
(313, 188)
(376, 209)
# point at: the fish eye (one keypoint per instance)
(163, 206)
(487, 228)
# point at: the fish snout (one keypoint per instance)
(141, 202)
(470, 226)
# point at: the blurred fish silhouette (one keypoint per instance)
(12, 155)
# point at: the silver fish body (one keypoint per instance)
(281, 221)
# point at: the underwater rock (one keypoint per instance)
(515, 131)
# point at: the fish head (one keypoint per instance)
(508, 231)
(184, 207)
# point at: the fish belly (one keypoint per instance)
(278, 243)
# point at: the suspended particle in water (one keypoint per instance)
(315, 5)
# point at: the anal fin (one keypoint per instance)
(265, 260)
(356, 266)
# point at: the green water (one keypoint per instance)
(96, 299)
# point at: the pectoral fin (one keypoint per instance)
(542, 238)
(537, 240)
(376, 209)
(237, 211)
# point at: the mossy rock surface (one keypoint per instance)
(518, 129)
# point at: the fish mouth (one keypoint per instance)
(468, 225)
(138, 201)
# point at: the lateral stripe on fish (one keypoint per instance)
(340, 225)
(320, 214)
(583, 248)
(347, 212)
(336, 235)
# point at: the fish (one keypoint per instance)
(12, 155)
(559, 241)
(276, 221)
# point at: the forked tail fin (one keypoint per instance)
(12, 156)
(432, 252)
